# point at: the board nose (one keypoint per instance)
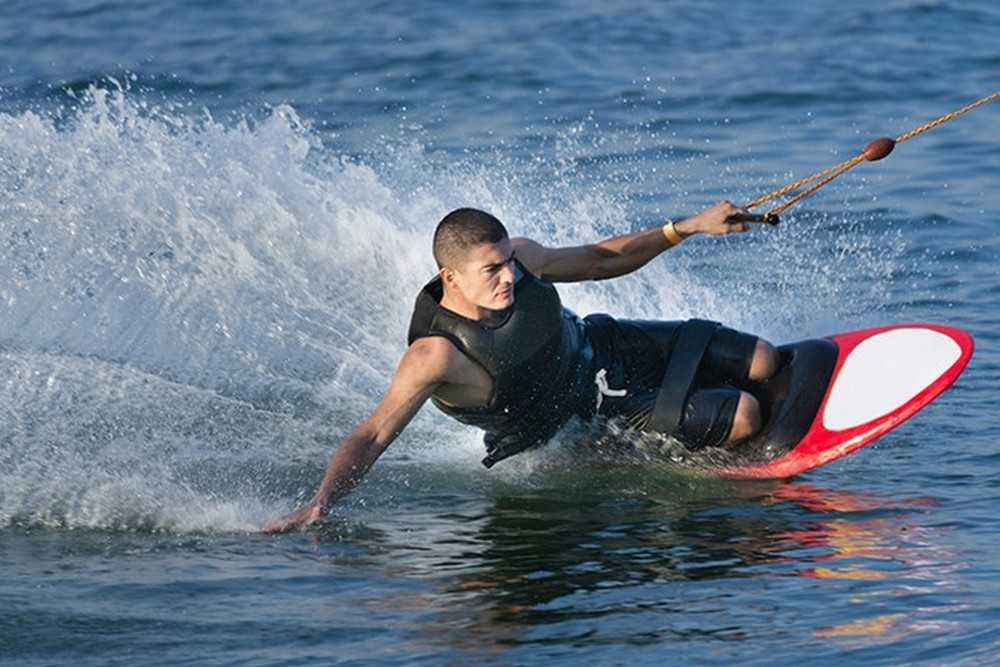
(889, 370)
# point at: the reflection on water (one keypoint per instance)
(704, 563)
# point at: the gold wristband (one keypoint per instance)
(673, 237)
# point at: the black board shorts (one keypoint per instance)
(635, 354)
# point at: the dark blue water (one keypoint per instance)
(214, 219)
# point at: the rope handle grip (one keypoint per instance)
(765, 218)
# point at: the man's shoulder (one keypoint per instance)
(531, 254)
(433, 346)
(435, 355)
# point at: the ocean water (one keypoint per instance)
(214, 220)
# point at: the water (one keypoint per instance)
(214, 220)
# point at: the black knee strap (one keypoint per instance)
(693, 338)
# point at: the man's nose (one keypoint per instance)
(507, 274)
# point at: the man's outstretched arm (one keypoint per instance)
(620, 255)
(423, 367)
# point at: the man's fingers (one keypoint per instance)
(734, 226)
(272, 528)
(307, 516)
(282, 524)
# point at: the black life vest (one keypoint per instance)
(535, 353)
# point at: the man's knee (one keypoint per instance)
(747, 420)
(765, 361)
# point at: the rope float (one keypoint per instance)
(875, 150)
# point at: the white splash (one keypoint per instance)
(193, 313)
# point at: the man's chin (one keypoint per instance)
(499, 303)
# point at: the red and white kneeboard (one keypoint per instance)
(875, 380)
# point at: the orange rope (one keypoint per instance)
(811, 189)
(784, 190)
(821, 178)
(948, 116)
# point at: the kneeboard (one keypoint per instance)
(835, 395)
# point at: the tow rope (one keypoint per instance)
(875, 150)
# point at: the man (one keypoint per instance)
(492, 346)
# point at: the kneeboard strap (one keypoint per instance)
(693, 338)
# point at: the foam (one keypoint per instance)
(181, 295)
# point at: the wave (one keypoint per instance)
(193, 312)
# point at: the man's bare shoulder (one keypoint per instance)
(530, 253)
(570, 264)
(432, 348)
(433, 358)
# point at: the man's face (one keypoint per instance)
(486, 278)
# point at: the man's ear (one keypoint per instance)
(447, 276)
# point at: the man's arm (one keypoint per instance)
(424, 366)
(620, 255)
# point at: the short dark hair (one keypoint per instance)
(461, 230)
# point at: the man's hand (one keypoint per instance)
(714, 221)
(307, 516)
(428, 362)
